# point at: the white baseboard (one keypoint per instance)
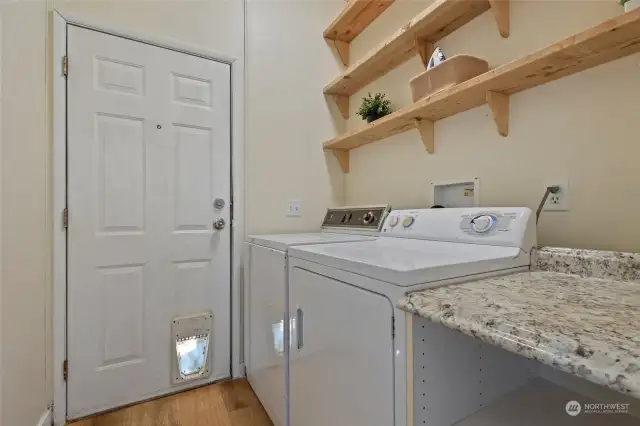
(241, 373)
(46, 419)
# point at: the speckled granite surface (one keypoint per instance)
(583, 325)
(590, 263)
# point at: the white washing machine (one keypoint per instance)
(265, 300)
(348, 361)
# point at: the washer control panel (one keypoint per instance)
(496, 226)
(486, 223)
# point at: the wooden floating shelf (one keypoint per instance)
(354, 18)
(417, 37)
(608, 41)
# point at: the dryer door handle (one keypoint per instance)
(299, 328)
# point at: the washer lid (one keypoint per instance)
(406, 262)
(284, 241)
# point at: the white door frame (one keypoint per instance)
(59, 165)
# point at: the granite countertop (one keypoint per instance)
(586, 323)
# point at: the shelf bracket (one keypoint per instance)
(425, 127)
(499, 104)
(343, 104)
(425, 50)
(343, 159)
(501, 13)
(342, 47)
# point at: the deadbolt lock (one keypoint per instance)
(218, 203)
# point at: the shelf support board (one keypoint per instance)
(425, 50)
(343, 104)
(343, 159)
(499, 104)
(500, 10)
(342, 47)
(425, 127)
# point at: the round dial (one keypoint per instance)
(408, 221)
(393, 220)
(483, 223)
(368, 218)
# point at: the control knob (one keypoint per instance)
(346, 218)
(368, 218)
(408, 221)
(482, 224)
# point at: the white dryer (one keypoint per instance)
(265, 297)
(348, 360)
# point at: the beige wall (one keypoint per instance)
(25, 149)
(583, 128)
(288, 64)
(23, 188)
(283, 88)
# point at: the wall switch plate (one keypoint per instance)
(560, 200)
(294, 208)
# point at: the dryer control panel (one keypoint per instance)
(361, 217)
(504, 226)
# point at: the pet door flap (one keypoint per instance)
(191, 347)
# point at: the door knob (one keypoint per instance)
(219, 223)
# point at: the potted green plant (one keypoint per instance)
(374, 107)
(630, 4)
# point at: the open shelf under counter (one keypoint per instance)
(542, 403)
(458, 380)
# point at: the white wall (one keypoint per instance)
(582, 127)
(288, 64)
(25, 184)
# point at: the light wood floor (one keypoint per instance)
(230, 403)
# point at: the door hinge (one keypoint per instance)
(65, 65)
(65, 370)
(65, 217)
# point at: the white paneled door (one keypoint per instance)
(148, 153)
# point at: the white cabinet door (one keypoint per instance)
(341, 363)
(148, 151)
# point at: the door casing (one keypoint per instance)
(59, 194)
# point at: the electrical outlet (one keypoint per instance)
(560, 200)
(294, 208)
